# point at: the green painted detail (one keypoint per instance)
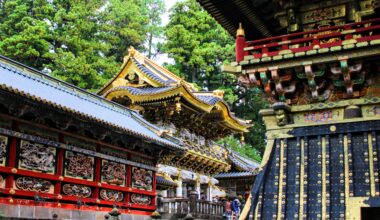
(319, 73)
(300, 54)
(278, 57)
(374, 42)
(311, 52)
(255, 61)
(266, 59)
(264, 78)
(357, 81)
(248, 57)
(349, 46)
(341, 103)
(288, 55)
(312, 84)
(244, 62)
(336, 48)
(323, 50)
(362, 44)
(344, 66)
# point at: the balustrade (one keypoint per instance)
(197, 208)
(315, 39)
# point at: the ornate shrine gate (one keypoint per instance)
(326, 171)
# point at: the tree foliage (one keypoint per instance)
(197, 44)
(81, 42)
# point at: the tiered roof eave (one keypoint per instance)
(161, 84)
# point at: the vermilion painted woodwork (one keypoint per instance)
(52, 199)
(60, 155)
(75, 207)
(240, 44)
(98, 164)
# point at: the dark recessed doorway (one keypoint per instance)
(370, 213)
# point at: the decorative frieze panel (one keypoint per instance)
(111, 195)
(77, 190)
(113, 173)
(140, 199)
(3, 149)
(79, 165)
(37, 157)
(33, 184)
(142, 178)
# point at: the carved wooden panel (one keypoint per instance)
(34, 184)
(113, 173)
(142, 178)
(111, 195)
(79, 165)
(37, 157)
(77, 190)
(140, 199)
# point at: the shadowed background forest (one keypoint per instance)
(84, 42)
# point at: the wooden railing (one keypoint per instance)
(197, 208)
(315, 39)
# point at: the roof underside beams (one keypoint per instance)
(229, 13)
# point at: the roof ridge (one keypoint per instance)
(171, 75)
(244, 156)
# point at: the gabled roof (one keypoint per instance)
(242, 163)
(32, 84)
(159, 84)
(242, 174)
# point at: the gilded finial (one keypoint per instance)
(131, 51)
(240, 31)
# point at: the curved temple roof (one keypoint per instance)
(157, 83)
(32, 84)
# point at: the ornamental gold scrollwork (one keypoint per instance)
(140, 199)
(113, 173)
(33, 184)
(79, 165)
(37, 157)
(77, 190)
(111, 195)
(3, 149)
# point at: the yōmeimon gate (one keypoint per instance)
(318, 63)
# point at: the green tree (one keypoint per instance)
(124, 23)
(197, 44)
(24, 34)
(243, 149)
(81, 42)
(153, 11)
(250, 101)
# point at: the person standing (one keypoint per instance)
(228, 209)
(236, 207)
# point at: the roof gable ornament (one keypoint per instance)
(133, 53)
